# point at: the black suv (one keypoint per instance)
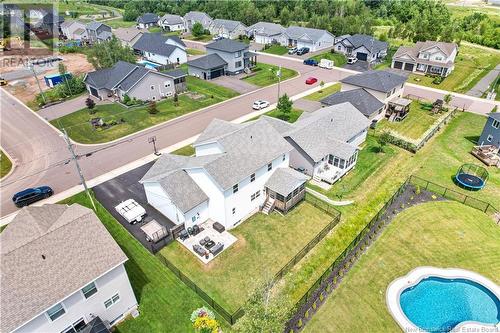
(30, 195)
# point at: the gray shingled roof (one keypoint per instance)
(383, 81)
(297, 32)
(170, 19)
(494, 115)
(362, 100)
(285, 180)
(94, 25)
(413, 51)
(76, 250)
(209, 61)
(200, 17)
(52, 18)
(227, 45)
(148, 18)
(176, 73)
(128, 34)
(155, 43)
(266, 28)
(215, 129)
(230, 25)
(278, 124)
(369, 42)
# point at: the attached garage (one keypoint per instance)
(208, 67)
(216, 73)
(362, 56)
(409, 67)
(398, 65)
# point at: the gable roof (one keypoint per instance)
(230, 25)
(285, 180)
(43, 244)
(148, 18)
(362, 100)
(172, 19)
(200, 17)
(266, 29)
(52, 18)
(369, 42)
(128, 34)
(208, 61)
(155, 43)
(383, 81)
(494, 115)
(227, 45)
(413, 51)
(67, 24)
(298, 32)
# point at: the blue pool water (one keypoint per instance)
(438, 305)
(148, 64)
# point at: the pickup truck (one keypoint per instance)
(131, 211)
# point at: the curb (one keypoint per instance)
(13, 164)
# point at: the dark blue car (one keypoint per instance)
(310, 62)
(30, 195)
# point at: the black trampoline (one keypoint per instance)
(472, 177)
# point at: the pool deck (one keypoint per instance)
(397, 286)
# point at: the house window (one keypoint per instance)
(255, 195)
(495, 123)
(489, 138)
(336, 161)
(235, 188)
(76, 327)
(152, 87)
(237, 54)
(338, 48)
(237, 64)
(252, 177)
(284, 157)
(234, 210)
(330, 159)
(113, 300)
(89, 290)
(342, 164)
(55, 312)
(439, 58)
(270, 166)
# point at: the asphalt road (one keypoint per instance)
(38, 149)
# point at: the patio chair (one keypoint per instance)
(199, 250)
(196, 230)
(190, 231)
(217, 249)
(183, 235)
(209, 244)
(204, 241)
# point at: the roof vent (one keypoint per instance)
(43, 256)
(251, 137)
(331, 120)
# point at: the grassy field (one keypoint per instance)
(194, 51)
(265, 75)
(339, 59)
(471, 64)
(5, 164)
(79, 128)
(440, 234)
(276, 49)
(165, 303)
(461, 11)
(318, 95)
(120, 23)
(414, 125)
(265, 244)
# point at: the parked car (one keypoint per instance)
(260, 104)
(310, 62)
(302, 50)
(293, 50)
(352, 60)
(326, 63)
(31, 195)
(217, 37)
(311, 80)
(131, 211)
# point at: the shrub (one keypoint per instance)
(314, 306)
(306, 315)
(126, 99)
(89, 102)
(299, 323)
(321, 297)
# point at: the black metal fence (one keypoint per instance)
(231, 318)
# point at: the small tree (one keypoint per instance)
(447, 98)
(197, 30)
(285, 106)
(89, 102)
(152, 109)
(126, 99)
(383, 139)
(321, 85)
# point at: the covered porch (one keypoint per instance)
(431, 69)
(284, 189)
(250, 59)
(334, 167)
(398, 109)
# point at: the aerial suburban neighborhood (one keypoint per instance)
(250, 166)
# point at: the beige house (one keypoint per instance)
(128, 36)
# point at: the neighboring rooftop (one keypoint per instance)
(297, 32)
(208, 61)
(494, 115)
(155, 43)
(230, 25)
(285, 180)
(266, 28)
(148, 18)
(172, 19)
(362, 100)
(52, 18)
(47, 254)
(94, 25)
(370, 43)
(199, 17)
(377, 80)
(128, 34)
(227, 45)
(413, 51)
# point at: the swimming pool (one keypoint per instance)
(148, 64)
(431, 299)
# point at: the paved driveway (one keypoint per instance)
(484, 84)
(126, 186)
(235, 83)
(58, 110)
(307, 105)
(360, 66)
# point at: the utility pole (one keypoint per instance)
(152, 139)
(75, 158)
(32, 67)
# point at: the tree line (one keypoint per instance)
(416, 20)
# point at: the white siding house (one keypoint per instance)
(314, 39)
(170, 22)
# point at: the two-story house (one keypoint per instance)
(314, 39)
(74, 30)
(224, 57)
(426, 58)
(129, 36)
(98, 32)
(161, 49)
(227, 28)
(197, 17)
(265, 32)
(363, 47)
(147, 20)
(169, 22)
(134, 81)
(491, 131)
(61, 271)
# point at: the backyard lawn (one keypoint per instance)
(276, 49)
(471, 64)
(5, 164)
(202, 38)
(440, 234)
(194, 51)
(165, 303)
(120, 23)
(79, 128)
(339, 59)
(264, 75)
(318, 95)
(265, 244)
(185, 151)
(291, 117)
(416, 123)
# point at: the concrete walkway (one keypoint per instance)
(484, 84)
(328, 200)
(65, 108)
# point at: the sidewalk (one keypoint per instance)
(484, 84)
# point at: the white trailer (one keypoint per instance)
(131, 211)
(326, 63)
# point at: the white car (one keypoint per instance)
(131, 211)
(352, 60)
(258, 105)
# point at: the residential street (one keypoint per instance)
(37, 147)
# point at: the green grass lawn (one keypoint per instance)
(194, 51)
(276, 49)
(339, 59)
(5, 164)
(471, 64)
(265, 244)
(387, 62)
(414, 125)
(120, 23)
(264, 75)
(291, 117)
(165, 303)
(79, 129)
(318, 95)
(440, 234)
(185, 151)
(203, 38)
